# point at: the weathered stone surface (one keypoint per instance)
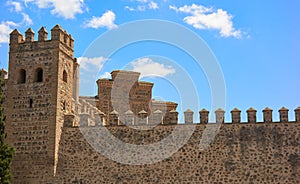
(240, 153)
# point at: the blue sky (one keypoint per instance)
(256, 44)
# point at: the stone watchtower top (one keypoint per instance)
(57, 34)
(43, 34)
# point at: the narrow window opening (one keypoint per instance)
(30, 103)
(65, 38)
(39, 75)
(65, 76)
(64, 105)
(22, 76)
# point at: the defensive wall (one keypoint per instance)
(241, 152)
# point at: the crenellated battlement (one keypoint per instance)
(90, 115)
(57, 34)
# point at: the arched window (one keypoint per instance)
(22, 76)
(39, 75)
(65, 76)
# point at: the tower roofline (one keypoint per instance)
(57, 27)
(43, 29)
(15, 31)
(29, 30)
(57, 34)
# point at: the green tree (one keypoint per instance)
(6, 152)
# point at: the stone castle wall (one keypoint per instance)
(240, 153)
(249, 152)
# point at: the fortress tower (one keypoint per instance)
(39, 92)
(125, 92)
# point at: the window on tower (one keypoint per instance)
(65, 76)
(22, 76)
(39, 75)
(30, 103)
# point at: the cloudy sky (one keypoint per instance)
(256, 44)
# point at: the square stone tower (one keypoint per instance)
(39, 93)
(125, 92)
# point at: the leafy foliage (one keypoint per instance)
(6, 152)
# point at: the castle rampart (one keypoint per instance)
(158, 116)
(240, 153)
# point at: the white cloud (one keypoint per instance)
(26, 20)
(63, 8)
(142, 1)
(152, 5)
(141, 8)
(207, 18)
(17, 7)
(106, 20)
(27, 1)
(105, 75)
(143, 5)
(129, 8)
(91, 63)
(5, 29)
(148, 67)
